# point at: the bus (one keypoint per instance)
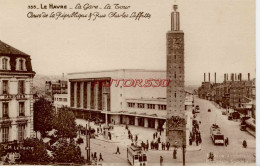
(216, 135)
(136, 156)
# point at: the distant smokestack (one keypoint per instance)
(248, 76)
(204, 77)
(225, 77)
(240, 76)
(215, 77)
(236, 76)
(232, 76)
(209, 77)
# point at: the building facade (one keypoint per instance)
(16, 98)
(56, 87)
(233, 93)
(175, 91)
(61, 100)
(90, 97)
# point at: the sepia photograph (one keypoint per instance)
(128, 82)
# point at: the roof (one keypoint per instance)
(7, 49)
(116, 70)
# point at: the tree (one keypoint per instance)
(43, 116)
(35, 151)
(67, 151)
(65, 124)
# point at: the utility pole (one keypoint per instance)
(183, 153)
(88, 142)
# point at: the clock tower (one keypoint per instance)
(175, 123)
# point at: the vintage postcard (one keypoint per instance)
(128, 82)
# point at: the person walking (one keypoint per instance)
(161, 160)
(174, 153)
(227, 141)
(117, 150)
(100, 157)
(244, 144)
(95, 156)
(153, 135)
(156, 134)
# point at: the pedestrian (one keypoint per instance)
(92, 155)
(161, 160)
(174, 153)
(162, 145)
(152, 145)
(244, 144)
(168, 145)
(159, 140)
(95, 155)
(227, 141)
(147, 145)
(156, 134)
(117, 150)
(153, 136)
(197, 141)
(100, 157)
(160, 132)
(190, 140)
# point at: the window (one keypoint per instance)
(131, 105)
(60, 99)
(21, 129)
(4, 63)
(21, 109)
(20, 64)
(20, 87)
(5, 134)
(151, 106)
(5, 87)
(65, 99)
(161, 107)
(5, 110)
(140, 105)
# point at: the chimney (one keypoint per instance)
(236, 76)
(204, 77)
(224, 77)
(215, 77)
(240, 76)
(248, 76)
(227, 76)
(232, 76)
(209, 77)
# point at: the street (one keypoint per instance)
(233, 153)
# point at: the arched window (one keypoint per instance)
(20, 64)
(4, 63)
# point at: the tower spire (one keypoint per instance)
(175, 19)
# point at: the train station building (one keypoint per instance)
(127, 96)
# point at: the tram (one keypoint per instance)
(136, 156)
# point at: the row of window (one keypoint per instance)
(60, 99)
(21, 87)
(149, 106)
(5, 109)
(20, 64)
(21, 133)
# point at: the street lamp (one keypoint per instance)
(88, 132)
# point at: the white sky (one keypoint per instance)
(219, 37)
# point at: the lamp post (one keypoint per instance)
(88, 141)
